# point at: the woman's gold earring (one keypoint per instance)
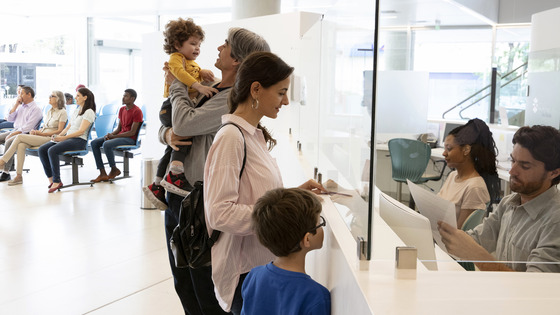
(253, 104)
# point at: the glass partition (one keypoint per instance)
(335, 119)
(442, 66)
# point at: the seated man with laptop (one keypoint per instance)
(523, 232)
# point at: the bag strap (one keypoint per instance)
(215, 233)
(244, 146)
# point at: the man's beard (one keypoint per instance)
(527, 188)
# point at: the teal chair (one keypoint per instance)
(470, 223)
(409, 159)
(473, 220)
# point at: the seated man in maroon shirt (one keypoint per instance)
(130, 119)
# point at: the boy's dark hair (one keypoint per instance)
(282, 217)
(132, 93)
(68, 96)
(543, 142)
(178, 31)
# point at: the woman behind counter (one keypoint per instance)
(471, 151)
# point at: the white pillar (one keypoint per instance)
(544, 70)
(243, 9)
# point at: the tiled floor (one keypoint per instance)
(83, 250)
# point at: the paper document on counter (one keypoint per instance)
(434, 208)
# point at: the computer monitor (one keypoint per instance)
(447, 129)
(411, 227)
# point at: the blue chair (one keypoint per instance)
(69, 157)
(110, 109)
(4, 109)
(144, 113)
(104, 124)
(409, 159)
(75, 158)
(124, 151)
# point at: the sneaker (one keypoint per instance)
(176, 184)
(156, 194)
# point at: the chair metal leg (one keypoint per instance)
(126, 165)
(399, 191)
(127, 155)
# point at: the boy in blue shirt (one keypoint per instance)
(288, 223)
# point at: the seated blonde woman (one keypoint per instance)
(53, 123)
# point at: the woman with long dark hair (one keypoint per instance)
(260, 90)
(73, 137)
(471, 151)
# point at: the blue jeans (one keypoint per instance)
(108, 147)
(237, 303)
(193, 286)
(50, 151)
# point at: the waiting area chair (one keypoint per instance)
(69, 157)
(124, 151)
(104, 124)
(409, 159)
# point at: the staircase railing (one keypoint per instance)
(489, 86)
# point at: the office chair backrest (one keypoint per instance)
(409, 159)
(473, 220)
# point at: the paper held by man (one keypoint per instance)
(434, 208)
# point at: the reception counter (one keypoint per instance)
(450, 290)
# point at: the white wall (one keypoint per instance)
(520, 11)
(286, 35)
(487, 8)
(543, 78)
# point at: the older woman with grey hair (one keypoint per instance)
(53, 123)
(197, 123)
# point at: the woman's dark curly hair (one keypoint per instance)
(483, 152)
(178, 31)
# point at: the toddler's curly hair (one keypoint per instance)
(178, 31)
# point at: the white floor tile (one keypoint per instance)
(83, 250)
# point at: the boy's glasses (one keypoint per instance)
(323, 223)
(313, 230)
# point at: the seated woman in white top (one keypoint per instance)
(53, 123)
(73, 137)
(471, 151)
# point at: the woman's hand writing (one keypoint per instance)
(313, 186)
